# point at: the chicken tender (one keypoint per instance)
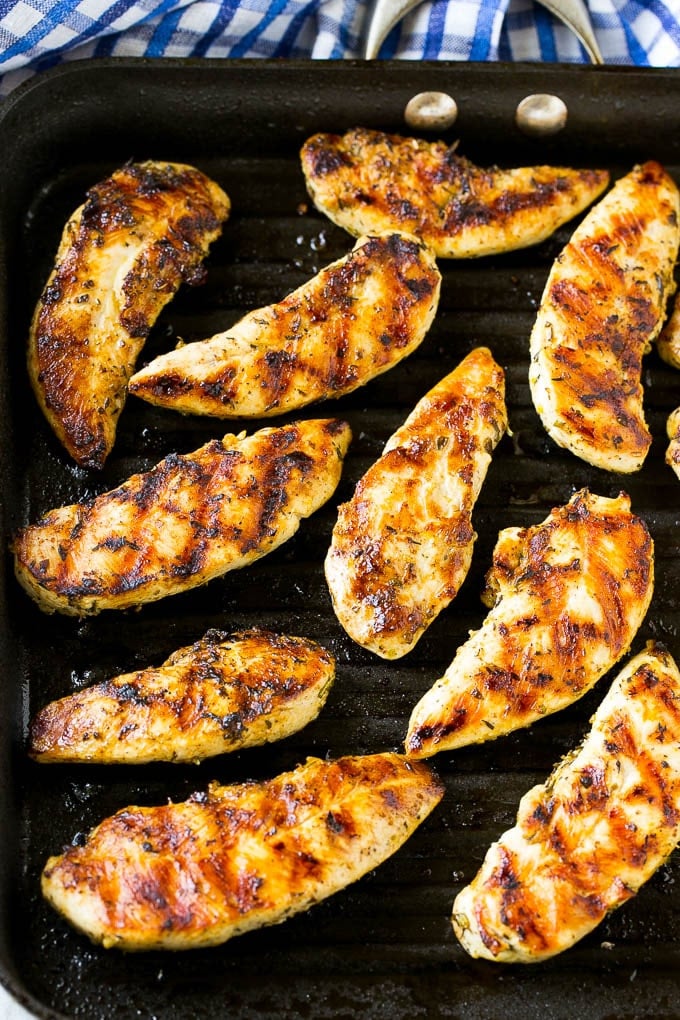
(223, 693)
(197, 873)
(673, 432)
(140, 234)
(586, 840)
(603, 306)
(367, 180)
(357, 318)
(402, 546)
(567, 596)
(191, 518)
(668, 340)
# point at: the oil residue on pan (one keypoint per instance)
(383, 947)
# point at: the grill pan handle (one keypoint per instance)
(383, 15)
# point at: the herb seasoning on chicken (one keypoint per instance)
(402, 546)
(356, 319)
(191, 518)
(587, 839)
(140, 234)
(567, 596)
(603, 305)
(223, 693)
(367, 180)
(197, 873)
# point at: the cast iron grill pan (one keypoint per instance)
(384, 946)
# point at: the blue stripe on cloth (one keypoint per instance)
(347, 41)
(482, 38)
(223, 16)
(67, 14)
(163, 34)
(546, 39)
(389, 48)
(106, 45)
(669, 24)
(435, 31)
(56, 15)
(116, 10)
(241, 48)
(635, 50)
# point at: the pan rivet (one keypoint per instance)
(541, 114)
(431, 110)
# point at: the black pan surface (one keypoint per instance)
(383, 947)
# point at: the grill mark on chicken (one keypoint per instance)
(401, 547)
(140, 234)
(566, 598)
(586, 840)
(188, 520)
(602, 307)
(355, 319)
(235, 858)
(368, 180)
(223, 693)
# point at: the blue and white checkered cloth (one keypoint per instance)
(35, 34)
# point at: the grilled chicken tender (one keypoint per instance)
(367, 180)
(402, 546)
(586, 840)
(140, 234)
(189, 519)
(603, 306)
(668, 341)
(238, 857)
(673, 451)
(567, 597)
(223, 693)
(668, 346)
(354, 320)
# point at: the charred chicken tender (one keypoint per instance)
(668, 346)
(673, 432)
(223, 693)
(586, 840)
(668, 340)
(366, 180)
(566, 599)
(191, 518)
(402, 546)
(603, 306)
(197, 873)
(357, 318)
(124, 253)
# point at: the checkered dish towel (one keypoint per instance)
(35, 34)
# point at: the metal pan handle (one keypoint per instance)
(383, 15)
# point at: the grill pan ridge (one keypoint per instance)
(384, 946)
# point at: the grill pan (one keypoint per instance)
(384, 946)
